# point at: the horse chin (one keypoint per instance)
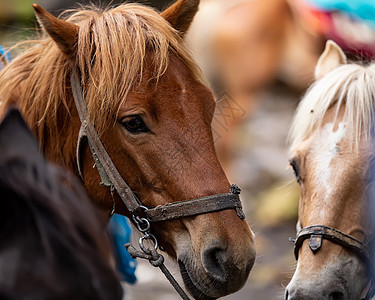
(191, 285)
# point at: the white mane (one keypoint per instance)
(351, 85)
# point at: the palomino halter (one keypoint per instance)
(111, 177)
(316, 233)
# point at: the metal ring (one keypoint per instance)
(148, 236)
(144, 208)
(142, 224)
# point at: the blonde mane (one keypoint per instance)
(112, 48)
(351, 85)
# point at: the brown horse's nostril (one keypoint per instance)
(286, 294)
(336, 296)
(213, 261)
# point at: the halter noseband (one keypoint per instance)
(316, 233)
(111, 177)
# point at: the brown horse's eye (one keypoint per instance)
(134, 124)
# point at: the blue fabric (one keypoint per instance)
(3, 51)
(362, 9)
(120, 232)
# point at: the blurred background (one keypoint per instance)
(258, 56)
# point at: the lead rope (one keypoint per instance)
(157, 260)
(151, 253)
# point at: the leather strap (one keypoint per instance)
(316, 234)
(107, 170)
(195, 207)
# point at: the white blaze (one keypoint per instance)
(325, 149)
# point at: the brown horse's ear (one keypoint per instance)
(181, 14)
(331, 58)
(65, 34)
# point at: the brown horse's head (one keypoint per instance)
(330, 155)
(153, 114)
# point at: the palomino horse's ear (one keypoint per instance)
(181, 14)
(331, 58)
(65, 34)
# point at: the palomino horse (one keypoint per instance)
(52, 246)
(331, 149)
(144, 96)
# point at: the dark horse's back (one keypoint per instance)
(52, 246)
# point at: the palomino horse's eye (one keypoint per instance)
(134, 124)
(295, 170)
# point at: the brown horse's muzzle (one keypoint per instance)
(215, 264)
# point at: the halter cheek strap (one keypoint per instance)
(111, 177)
(108, 172)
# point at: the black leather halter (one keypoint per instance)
(111, 177)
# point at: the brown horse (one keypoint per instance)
(146, 100)
(331, 151)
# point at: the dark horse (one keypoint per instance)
(52, 246)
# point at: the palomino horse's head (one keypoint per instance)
(330, 155)
(153, 115)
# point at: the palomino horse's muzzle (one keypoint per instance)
(317, 233)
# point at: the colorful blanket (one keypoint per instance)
(350, 23)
